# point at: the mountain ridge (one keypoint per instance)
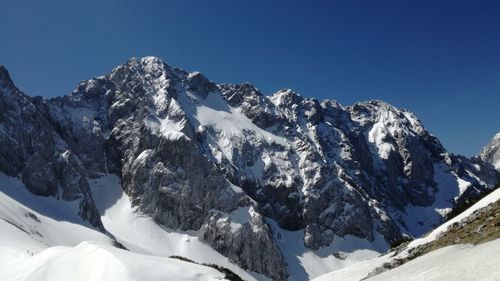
(195, 155)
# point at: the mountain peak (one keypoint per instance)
(151, 60)
(285, 97)
(144, 65)
(2, 69)
(4, 75)
(497, 136)
(147, 60)
(8, 89)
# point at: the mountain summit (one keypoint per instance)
(234, 165)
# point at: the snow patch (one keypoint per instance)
(166, 127)
(377, 136)
(241, 216)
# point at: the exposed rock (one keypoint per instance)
(31, 148)
(244, 238)
(253, 104)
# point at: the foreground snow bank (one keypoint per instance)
(33, 223)
(459, 262)
(89, 261)
(42, 238)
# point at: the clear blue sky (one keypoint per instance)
(439, 59)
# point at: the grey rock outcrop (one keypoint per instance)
(243, 236)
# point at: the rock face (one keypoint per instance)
(221, 159)
(31, 148)
(491, 152)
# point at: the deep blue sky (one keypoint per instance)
(439, 59)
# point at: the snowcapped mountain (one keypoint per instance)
(491, 152)
(282, 186)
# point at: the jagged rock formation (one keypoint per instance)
(221, 158)
(491, 152)
(32, 149)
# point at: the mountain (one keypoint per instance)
(246, 173)
(491, 152)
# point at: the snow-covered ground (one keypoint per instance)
(354, 272)
(43, 238)
(88, 261)
(32, 223)
(457, 262)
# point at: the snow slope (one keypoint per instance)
(88, 261)
(354, 272)
(457, 262)
(33, 223)
(306, 264)
(43, 238)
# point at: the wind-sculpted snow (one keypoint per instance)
(195, 155)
